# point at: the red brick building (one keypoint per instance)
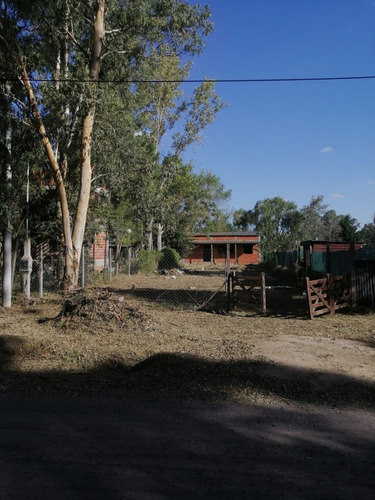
(242, 247)
(99, 250)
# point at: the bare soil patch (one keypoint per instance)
(123, 340)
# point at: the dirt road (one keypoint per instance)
(105, 449)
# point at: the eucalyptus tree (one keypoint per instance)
(278, 223)
(61, 51)
(165, 110)
(197, 202)
(331, 226)
(313, 222)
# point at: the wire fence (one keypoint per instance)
(157, 278)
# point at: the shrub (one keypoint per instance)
(169, 259)
(148, 261)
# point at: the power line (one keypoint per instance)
(209, 80)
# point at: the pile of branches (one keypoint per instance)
(98, 304)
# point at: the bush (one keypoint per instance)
(148, 260)
(169, 259)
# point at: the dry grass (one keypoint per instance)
(117, 343)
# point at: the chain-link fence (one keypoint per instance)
(157, 278)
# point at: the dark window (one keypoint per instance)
(248, 249)
(222, 249)
(207, 253)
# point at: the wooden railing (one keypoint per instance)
(327, 295)
(240, 286)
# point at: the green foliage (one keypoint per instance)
(148, 261)
(144, 39)
(349, 228)
(169, 259)
(313, 224)
(368, 233)
(282, 226)
(276, 221)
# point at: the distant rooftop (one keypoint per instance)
(230, 233)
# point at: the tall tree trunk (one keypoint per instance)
(7, 243)
(159, 240)
(65, 215)
(86, 143)
(149, 235)
(73, 238)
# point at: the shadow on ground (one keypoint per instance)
(167, 376)
(285, 302)
(137, 450)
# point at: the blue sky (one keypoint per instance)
(299, 139)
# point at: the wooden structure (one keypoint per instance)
(246, 290)
(222, 248)
(327, 295)
(365, 284)
(335, 255)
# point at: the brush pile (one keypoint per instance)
(95, 306)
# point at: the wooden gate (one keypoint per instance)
(327, 295)
(242, 288)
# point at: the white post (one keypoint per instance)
(41, 272)
(110, 262)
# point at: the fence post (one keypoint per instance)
(228, 258)
(263, 292)
(83, 266)
(129, 256)
(41, 272)
(110, 263)
(331, 298)
(352, 288)
(229, 291)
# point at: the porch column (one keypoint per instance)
(235, 254)
(212, 253)
(228, 257)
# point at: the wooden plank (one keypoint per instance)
(321, 311)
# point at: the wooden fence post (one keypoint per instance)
(331, 298)
(229, 291)
(352, 288)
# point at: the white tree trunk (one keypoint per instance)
(149, 235)
(7, 269)
(73, 237)
(159, 239)
(7, 243)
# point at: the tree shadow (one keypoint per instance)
(155, 435)
(283, 302)
(170, 376)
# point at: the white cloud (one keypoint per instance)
(337, 196)
(327, 149)
(370, 183)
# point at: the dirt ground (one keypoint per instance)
(130, 392)
(127, 342)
